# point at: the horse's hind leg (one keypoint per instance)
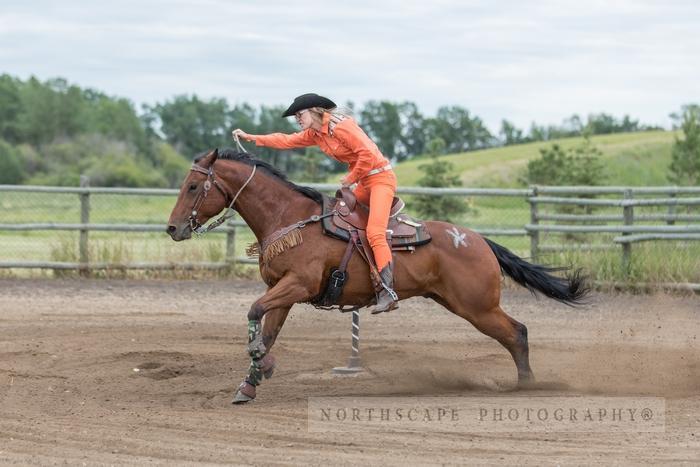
(510, 333)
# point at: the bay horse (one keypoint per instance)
(458, 268)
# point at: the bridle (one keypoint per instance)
(195, 225)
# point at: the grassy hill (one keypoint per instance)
(633, 159)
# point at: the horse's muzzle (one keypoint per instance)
(179, 233)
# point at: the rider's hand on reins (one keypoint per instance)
(238, 133)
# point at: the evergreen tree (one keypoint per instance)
(438, 174)
(580, 165)
(685, 155)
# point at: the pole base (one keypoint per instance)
(354, 366)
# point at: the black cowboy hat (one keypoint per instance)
(306, 101)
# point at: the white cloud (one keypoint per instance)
(525, 61)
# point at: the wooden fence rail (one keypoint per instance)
(631, 231)
(630, 226)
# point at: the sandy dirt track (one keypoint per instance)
(69, 392)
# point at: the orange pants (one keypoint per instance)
(377, 192)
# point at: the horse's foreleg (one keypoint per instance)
(272, 324)
(273, 306)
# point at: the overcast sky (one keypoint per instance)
(521, 60)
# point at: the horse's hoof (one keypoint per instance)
(268, 366)
(526, 382)
(245, 393)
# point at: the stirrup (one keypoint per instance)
(391, 292)
(394, 304)
(386, 290)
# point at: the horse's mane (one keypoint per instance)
(246, 158)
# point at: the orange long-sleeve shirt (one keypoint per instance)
(345, 143)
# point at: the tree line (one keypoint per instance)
(52, 131)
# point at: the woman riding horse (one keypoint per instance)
(458, 268)
(339, 136)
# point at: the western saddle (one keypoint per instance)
(403, 232)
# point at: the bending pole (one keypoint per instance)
(354, 363)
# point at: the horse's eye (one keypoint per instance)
(193, 186)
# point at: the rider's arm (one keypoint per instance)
(301, 139)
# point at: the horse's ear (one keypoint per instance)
(209, 159)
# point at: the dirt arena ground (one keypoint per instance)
(69, 392)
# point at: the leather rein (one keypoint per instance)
(195, 225)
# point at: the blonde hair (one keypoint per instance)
(339, 111)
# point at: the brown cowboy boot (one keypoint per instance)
(387, 299)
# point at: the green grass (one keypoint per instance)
(111, 247)
(644, 166)
(501, 167)
(650, 262)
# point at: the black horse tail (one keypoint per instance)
(570, 289)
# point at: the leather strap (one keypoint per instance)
(369, 257)
(348, 251)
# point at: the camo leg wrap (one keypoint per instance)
(256, 350)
